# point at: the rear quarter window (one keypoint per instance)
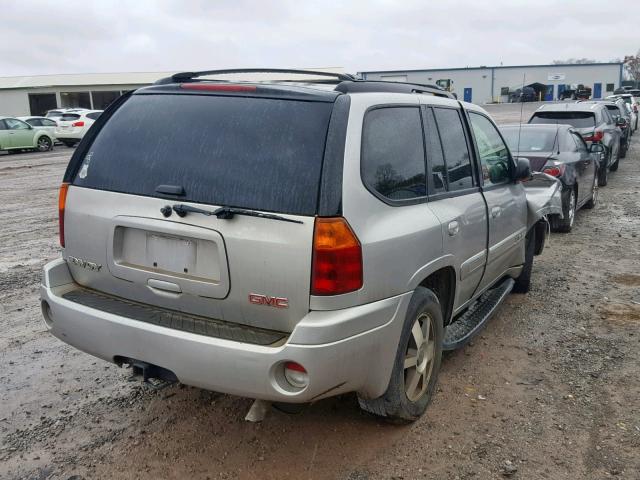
(255, 153)
(393, 163)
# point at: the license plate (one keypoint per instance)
(172, 254)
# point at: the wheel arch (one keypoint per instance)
(443, 283)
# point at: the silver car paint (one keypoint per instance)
(343, 362)
(253, 255)
(346, 342)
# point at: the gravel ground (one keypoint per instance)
(549, 390)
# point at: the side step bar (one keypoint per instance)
(471, 322)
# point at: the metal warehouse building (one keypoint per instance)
(34, 95)
(493, 84)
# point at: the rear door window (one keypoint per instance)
(255, 153)
(455, 149)
(576, 119)
(34, 122)
(393, 163)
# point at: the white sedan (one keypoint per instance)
(72, 126)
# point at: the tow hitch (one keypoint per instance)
(153, 375)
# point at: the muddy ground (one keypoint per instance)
(550, 390)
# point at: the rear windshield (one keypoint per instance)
(576, 119)
(69, 117)
(529, 139)
(255, 153)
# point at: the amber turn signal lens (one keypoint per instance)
(62, 201)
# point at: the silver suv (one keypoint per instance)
(291, 242)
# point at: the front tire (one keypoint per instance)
(564, 225)
(523, 282)
(593, 201)
(417, 362)
(603, 174)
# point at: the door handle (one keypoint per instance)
(496, 212)
(454, 228)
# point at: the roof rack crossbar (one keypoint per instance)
(189, 76)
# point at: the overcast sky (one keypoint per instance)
(64, 36)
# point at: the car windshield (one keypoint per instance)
(530, 139)
(575, 119)
(254, 153)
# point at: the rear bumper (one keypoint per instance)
(69, 135)
(343, 350)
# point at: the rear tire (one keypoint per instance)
(564, 225)
(523, 282)
(417, 362)
(44, 144)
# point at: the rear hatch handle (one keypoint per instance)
(223, 213)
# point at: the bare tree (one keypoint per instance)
(632, 65)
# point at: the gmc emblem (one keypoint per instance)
(276, 302)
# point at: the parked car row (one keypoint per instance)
(578, 143)
(66, 126)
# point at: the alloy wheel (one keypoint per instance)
(44, 144)
(419, 357)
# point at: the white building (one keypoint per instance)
(34, 95)
(492, 84)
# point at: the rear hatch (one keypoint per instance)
(69, 124)
(584, 122)
(538, 144)
(201, 153)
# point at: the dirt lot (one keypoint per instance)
(551, 389)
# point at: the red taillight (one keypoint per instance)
(597, 136)
(337, 258)
(78, 124)
(554, 170)
(62, 201)
(217, 87)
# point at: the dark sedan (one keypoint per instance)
(560, 151)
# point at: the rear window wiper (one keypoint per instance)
(223, 213)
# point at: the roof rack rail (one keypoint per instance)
(190, 76)
(355, 86)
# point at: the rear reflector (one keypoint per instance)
(216, 87)
(62, 201)
(337, 258)
(296, 375)
(77, 124)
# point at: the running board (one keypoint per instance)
(471, 322)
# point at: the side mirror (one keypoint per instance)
(596, 148)
(523, 169)
(620, 122)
